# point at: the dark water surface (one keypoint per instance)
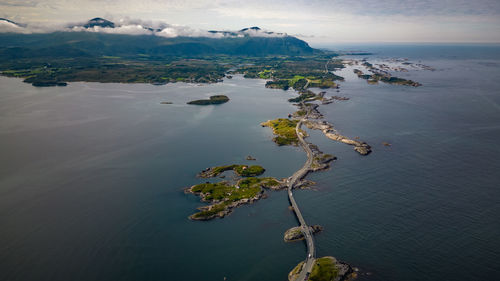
(91, 178)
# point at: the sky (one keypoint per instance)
(318, 22)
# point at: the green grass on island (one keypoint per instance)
(253, 182)
(284, 129)
(210, 212)
(218, 99)
(324, 269)
(222, 191)
(249, 171)
(224, 195)
(240, 170)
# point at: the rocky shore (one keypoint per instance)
(359, 146)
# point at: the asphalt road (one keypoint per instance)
(292, 181)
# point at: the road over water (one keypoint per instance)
(292, 182)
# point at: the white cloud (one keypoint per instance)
(136, 27)
(326, 20)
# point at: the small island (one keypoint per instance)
(225, 197)
(217, 99)
(295, 233)
(325, 269)
(48, 83)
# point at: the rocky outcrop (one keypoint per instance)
(321, 161)
(295, 233)
(359, 146)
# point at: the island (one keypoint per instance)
(295, 233)
(383, 76)
(217, 99)
(224, 197)
(47, 83)
(325, 269)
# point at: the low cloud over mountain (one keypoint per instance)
(135, 27)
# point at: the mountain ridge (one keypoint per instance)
(88, 40)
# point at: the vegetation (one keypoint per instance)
(249, 171)
(300, 73)
(210, 212)
(324, 269)
(41, 73)
(56, 58)
(278, 84)
(218, 99)
(213, 191)
(253, 182)
(296, 270)
(225, 196)
(284, 129)
(240, 170)
(305, 95)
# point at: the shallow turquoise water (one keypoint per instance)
(91, 178)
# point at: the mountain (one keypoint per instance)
(99, 22)
(100, 37)
(8, 22)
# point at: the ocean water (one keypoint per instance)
(91, 177)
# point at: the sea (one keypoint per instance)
(92, 176)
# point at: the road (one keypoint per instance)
(291, 182)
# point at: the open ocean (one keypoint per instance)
(92, 177)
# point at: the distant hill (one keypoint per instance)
(99, 22)
(87, 40)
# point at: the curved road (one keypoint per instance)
(291, 182)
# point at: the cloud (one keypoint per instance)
(136, 27)
(19, 3)
(334, 20)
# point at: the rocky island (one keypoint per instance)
(296, 234)
(225, 197)
(218, 99)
